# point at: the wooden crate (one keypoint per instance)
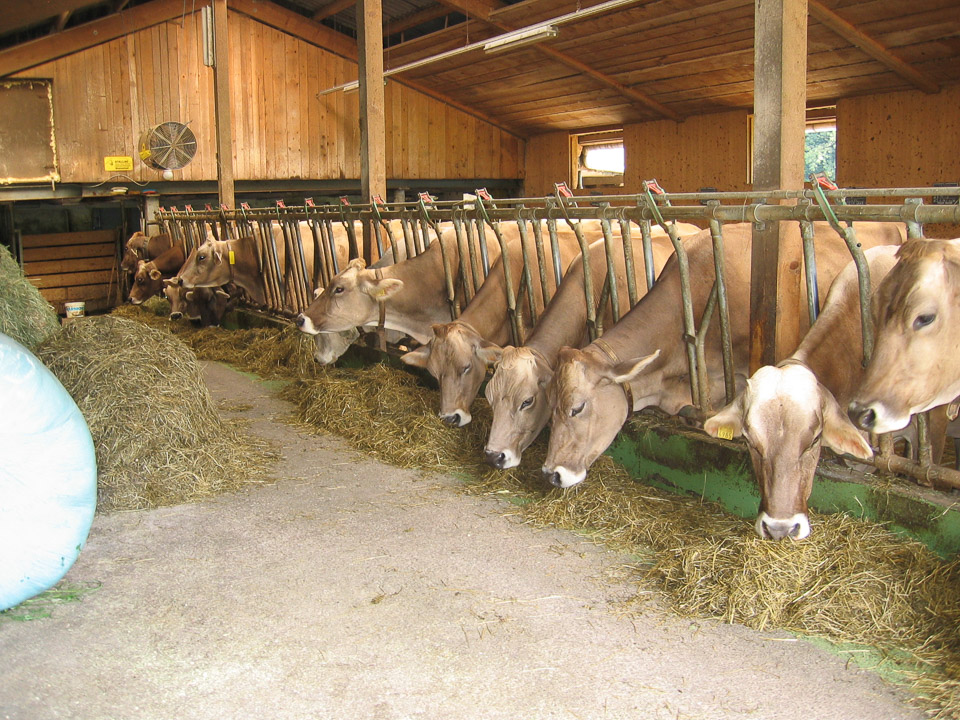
(68, 267)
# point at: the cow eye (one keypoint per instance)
(577, 410)
(923, 320)
(338, 289)
(465, 369)
(201, 258)
(526, 403)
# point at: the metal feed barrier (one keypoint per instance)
(407, 229)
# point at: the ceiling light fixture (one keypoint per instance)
(520, 38)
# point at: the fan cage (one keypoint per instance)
(168, 146)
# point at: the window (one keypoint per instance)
(600, 160)
(820, 143)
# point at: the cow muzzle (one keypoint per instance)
(562, 477)
(458, 418)
(500, 459)
(176, 315)
(795, 527)
(305, 324)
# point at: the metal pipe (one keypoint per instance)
(720, 283)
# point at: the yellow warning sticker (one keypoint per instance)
(118, 163)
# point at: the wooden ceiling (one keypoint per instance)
(652, 59)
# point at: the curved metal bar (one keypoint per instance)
(720, 282)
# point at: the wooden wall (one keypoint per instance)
(548, 161)
(106, 96)
(73, 266)
(902, 139)
(702, 151)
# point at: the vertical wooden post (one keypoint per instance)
(373, 155)
(221, 93)
(780, 78)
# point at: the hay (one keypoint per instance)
(159, 440)
(24, 314)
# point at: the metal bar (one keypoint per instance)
(703, 377)
(507, 271)
(720, 283)
(408, 236)
(554, 248)
(647, 253)
(628, 261)
(611, 269)
(545, 293)
(810, 270)
(527, 278)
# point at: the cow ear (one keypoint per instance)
(382, 289)
(155, 274)
(488, 352)
(356, 264)
(728, 422)
(839, 434)
(626, 371)
(318, 292)
(417, 358)
(140, 264)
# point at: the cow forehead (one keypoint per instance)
(516, 373)
(776, 395)
(454, 343)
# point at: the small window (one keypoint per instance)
(600, 160)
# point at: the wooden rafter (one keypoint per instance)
(43, 50)
(485, 9)
(61, 22)
(332, 8)
(849, 32)
(414, 19)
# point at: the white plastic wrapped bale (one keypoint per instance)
(48, 477)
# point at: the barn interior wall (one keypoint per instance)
(548, 161)
(702, 151)
(901, 139)
(106, 96)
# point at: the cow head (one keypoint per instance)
(785, 414)
(591, 407)
(329, 346)
(350, 299)
(208, 265)
(147, 282)
(173, 291)
(134, 251)
(518, 395)
(458, 358)
(917, 338)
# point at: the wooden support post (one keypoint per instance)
(373, 153)
(780, 64)
(221, 92)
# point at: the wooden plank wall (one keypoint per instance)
(549, 161)
(68, 267)
(902, 139)
(106, 96)
(702, 151)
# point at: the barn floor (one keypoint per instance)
(351, 589)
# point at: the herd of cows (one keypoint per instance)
(820, 395)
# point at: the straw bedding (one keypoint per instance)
(851, 582)
(159, 439)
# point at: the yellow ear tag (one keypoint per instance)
(381, 293)
(233, 259)
(725, 432)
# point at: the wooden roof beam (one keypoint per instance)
(332, 8)
(483, 10)
(414, 19)
(849, 32)
(43, 50)
(61, 22)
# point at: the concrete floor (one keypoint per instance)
(352, 589)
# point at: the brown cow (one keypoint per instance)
(642, 361)
(143, 247)
(517, 392)
(460, 352)
(917, 328)
(150, 275)
(786, 412)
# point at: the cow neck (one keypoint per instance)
(244, 272)
(605, 348)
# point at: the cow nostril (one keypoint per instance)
(176, 315)
(300, 320)
(494, 458)
(868, 418)
(453, 419)
(795, 530)
(552, 477)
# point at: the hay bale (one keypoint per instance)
(24, 314)
(158, 437)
